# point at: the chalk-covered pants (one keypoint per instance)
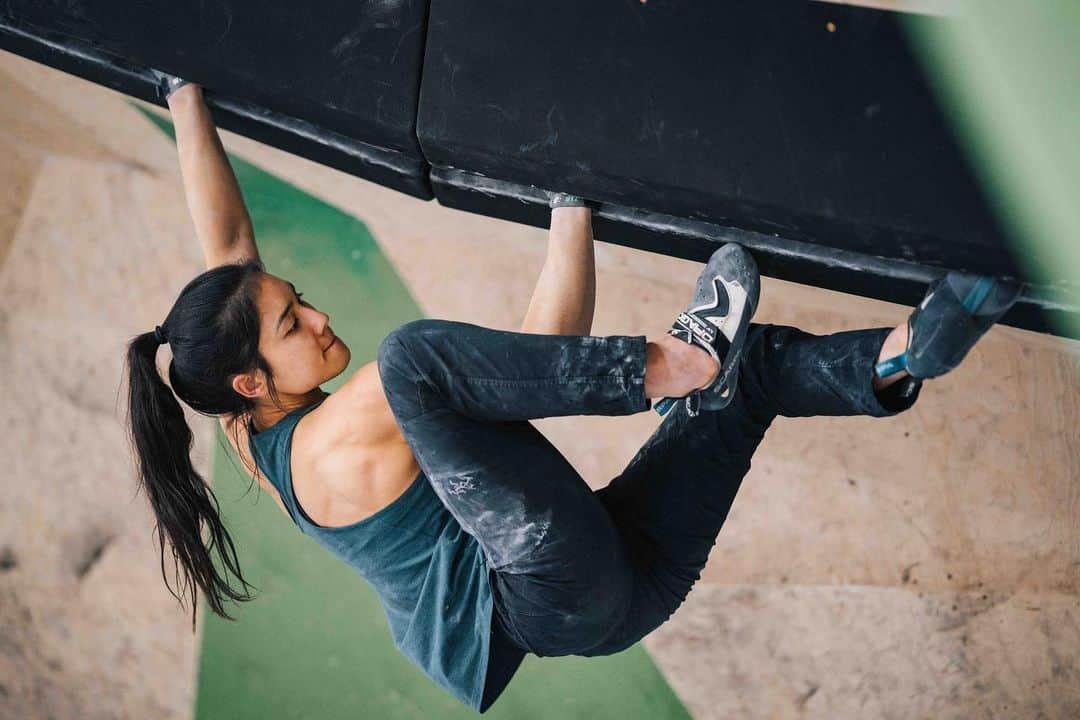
(578, 572)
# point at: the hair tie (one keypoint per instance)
(160, 335)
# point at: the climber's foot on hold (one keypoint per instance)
(958, 310)
(716, 321)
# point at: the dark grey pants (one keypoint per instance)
(578, 572)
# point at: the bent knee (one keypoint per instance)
(554, 619)
(400, 376)
(406, 333)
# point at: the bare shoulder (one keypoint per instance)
(361, 405)
(351, 459)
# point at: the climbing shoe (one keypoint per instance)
(725, 298)
(957, 310)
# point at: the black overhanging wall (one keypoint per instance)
(802, 130)
(334, 80)
(752, 113)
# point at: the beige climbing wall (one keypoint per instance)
(922, 566)
(93, 249)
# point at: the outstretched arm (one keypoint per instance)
(213, 196)
(565, 294)
(217, 209)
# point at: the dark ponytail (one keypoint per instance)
(213, 332)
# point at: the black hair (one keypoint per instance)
(213, 333)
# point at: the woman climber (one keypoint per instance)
(422, 471)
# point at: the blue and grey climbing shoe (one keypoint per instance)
(725, 298)
(957, 310)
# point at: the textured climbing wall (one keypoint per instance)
(92, 245)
